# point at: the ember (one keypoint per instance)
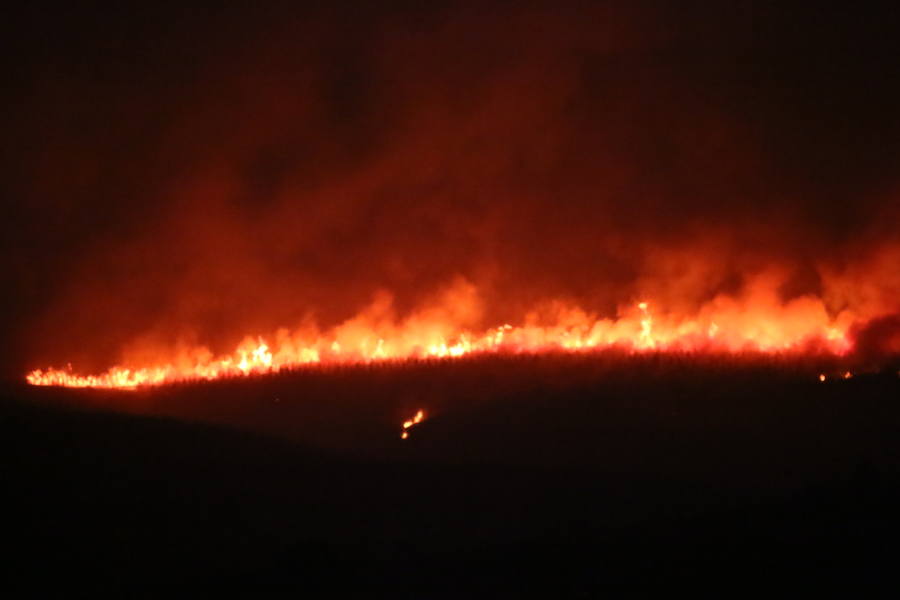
(417, 418)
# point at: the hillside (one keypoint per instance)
(527, 472)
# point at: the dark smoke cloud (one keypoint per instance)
(182, 174)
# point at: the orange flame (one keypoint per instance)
(725, 325)
(417, 418)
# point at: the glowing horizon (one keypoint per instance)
(799, 326)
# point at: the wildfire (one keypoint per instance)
(844, 375)
(417, 418)
(725, 327)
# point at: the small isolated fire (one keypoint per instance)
(417, 418)
(845, 375)
(726, 325)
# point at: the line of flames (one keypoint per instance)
(637, 332)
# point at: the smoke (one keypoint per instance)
(190, 178)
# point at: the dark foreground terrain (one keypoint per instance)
(558, 476)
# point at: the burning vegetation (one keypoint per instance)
(801, 327)
(433, 297)
(519, 181)
(758, 319)
(408, 424)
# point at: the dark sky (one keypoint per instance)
(172, 171)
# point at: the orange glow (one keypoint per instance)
(414, 421)
(822, 377)
(444, 330)
(417, 418)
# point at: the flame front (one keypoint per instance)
(726, 326)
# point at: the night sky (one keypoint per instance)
(175, 172)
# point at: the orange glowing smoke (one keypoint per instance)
(760, 323)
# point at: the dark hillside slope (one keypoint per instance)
(568, 487)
